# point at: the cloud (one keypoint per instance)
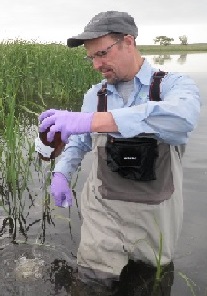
(175, 12)
(59, 19)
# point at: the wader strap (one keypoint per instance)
(102, 98)
(154, 95)
(154, 92)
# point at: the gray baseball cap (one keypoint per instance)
(104, 23)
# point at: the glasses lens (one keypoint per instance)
(100, 53)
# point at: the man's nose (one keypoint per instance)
(97, 63)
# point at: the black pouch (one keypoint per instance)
(132, 158)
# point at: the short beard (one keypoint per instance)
(116, 80)
(113, 81)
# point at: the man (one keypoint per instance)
(125, 215)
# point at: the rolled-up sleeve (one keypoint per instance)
(171, 119)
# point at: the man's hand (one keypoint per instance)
(66, 122)
(60, 191)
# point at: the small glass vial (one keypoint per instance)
(49, 150)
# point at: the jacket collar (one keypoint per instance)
(145, 73)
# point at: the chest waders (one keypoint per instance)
(139, 165)
(132, 158)
(124, 218)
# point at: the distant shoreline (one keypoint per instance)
(173, 48)
(144, 49)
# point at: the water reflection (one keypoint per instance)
(136, 279)
(61, 276)
(163, 58)
(180, 62)
(140, 279)
(182, 59)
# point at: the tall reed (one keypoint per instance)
(33, 77)
(50, 74)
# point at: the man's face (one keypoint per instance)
(111, 57)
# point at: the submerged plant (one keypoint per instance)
(16, 155)
(188, 282)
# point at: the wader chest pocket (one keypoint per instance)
(132, 158)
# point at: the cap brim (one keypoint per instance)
(79, 39)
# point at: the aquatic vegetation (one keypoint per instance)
(44, 74)
(15, 171)
(189, 283)
(33, 77)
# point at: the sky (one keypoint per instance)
(57, 20)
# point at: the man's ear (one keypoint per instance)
(129, 40)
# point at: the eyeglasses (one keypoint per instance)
(100, 53)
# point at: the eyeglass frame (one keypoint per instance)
(101, 53)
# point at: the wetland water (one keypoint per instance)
(43, 258)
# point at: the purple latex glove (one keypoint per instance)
(60, 190)
(66, 122)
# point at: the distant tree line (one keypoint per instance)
(164, 40)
